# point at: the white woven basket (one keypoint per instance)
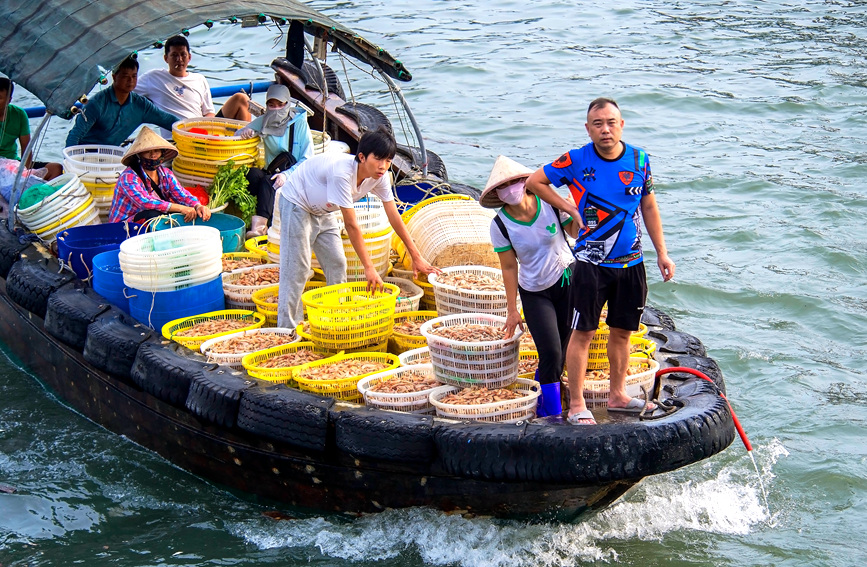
(596, 391)
(510, 411)
(241, 296)
(234, 359)
(411, 402)
(410, 294)
(415, 356)
(451, 300)
(492, 364)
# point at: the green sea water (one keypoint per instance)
(755, 118)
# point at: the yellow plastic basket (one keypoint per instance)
(258, 245)
(402, 342)
(267, 308)
(428, 301)
(217, 129)
(171, 328)
(345, 316)
(342, 388)
(527, 355)
(597, 357)
(283, 375)
(639, 346)
(202, 168)
(242, 256)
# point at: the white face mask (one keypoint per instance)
(512, 194)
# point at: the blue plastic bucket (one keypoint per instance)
(232, 229)
(157, 309)
(108, 279)
(78, 245)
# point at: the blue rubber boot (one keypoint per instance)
(540, 403)
(549, 401)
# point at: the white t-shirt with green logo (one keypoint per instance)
(539, 244)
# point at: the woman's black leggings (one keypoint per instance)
(548, 317)
(260, 187)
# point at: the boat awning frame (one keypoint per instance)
(59, 49)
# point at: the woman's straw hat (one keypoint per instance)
(505, 172)
(146, 140)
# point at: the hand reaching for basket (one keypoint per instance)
(513, 320)
(421, 266)
(374, 282)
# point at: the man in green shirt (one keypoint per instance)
(14, 125)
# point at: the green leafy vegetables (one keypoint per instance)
(230, 185)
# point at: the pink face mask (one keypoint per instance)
(512, 194)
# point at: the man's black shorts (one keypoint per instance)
(625, 290)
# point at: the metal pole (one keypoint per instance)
(409, 113)
(16, 194)
(324, 88)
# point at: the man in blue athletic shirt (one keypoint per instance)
(612, 187)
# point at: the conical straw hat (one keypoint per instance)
(505, 172)
(146, 140)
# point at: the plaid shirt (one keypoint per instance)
(131, 196)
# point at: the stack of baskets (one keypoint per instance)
(643, 374)
(173, 273)
(204, 144)
(98, 167)
(68, 205)
(597, 358)
(346, 317)
(450, 230)
(451, 299)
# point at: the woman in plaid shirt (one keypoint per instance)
(146, 189)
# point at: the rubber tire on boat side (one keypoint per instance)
(481, 451)
(331, 78)
(112, 344)
(30, 282)
(386, 435)
(653, 317)
(703, 364)
(435, 165)
(602, 453)
(159, 370)
(286, 414)
(215, 395)
(675, 342)
(70, 311)
(10, 250)
(368, 118)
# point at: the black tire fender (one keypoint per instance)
(70, 310)
(675, 342)
(215, 395)
(481, 451)
(30, 282)
(386, 435)
(435, 165)
(313, 79)
(10, 250)
(703, 364)
(160, 371)
(113, 342)
(653, 317)
(367, 117)
(286, 414)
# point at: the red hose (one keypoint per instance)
(694, 372)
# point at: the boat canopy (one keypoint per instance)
(59, 49)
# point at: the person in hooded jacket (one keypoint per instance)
(288, 142)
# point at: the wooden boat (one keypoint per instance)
(274, 441)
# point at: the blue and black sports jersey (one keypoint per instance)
(607, 193)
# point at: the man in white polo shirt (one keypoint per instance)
(183, 93)
(310, 197)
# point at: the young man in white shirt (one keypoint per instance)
(309, 198)
(183, 93)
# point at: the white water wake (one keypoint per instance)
(704, 498)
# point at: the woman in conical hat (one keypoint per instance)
(530, 233)
(146, 188)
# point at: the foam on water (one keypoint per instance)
(711, 497)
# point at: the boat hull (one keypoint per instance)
(329, 482)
